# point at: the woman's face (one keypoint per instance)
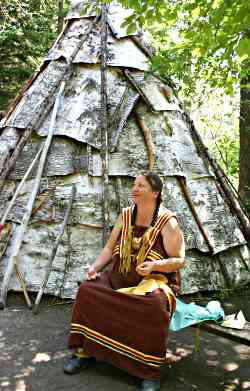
(142, 191)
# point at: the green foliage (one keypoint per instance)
(225, 148)
(217, 118)
(229, 144)
(209, 39)
(27, 30)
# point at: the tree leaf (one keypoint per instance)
(132, 28)
(243, 49)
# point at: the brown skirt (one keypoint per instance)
(128, 331)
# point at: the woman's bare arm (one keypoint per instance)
(174, 245)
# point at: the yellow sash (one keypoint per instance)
(149, 284)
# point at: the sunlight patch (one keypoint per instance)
(20, 385)
(5, 383)
(231, 366)
(41, 357)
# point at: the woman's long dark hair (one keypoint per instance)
(156, 184)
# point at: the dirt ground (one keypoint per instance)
(33, 350)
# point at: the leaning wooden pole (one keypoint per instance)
(104, 126)
(23, 285)
(54, 250)
(2, 222)
(26, 217)
(232, 200)
(12, 160)
(148, 140)
(188, 198)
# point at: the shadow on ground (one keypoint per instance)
(33, 350)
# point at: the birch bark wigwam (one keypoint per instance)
(114, 120)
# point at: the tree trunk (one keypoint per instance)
(244, 176)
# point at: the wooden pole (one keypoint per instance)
(148, 50)
(148, 139)
(194, 213)
(118, 121)
(23, 285)
(9, 138)
(23, 140)
(104, 126)
(9, 234)
(138, 88)
(224, 273)
(26, 217)
(19, 189)
(54, 250)
(231, 198)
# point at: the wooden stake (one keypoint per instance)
(26, 217)
(54, 250)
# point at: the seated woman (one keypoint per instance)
(122, 316)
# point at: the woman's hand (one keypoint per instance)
(92, 274)
(106, 254)
(145, 268)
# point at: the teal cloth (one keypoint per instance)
(189, 314)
